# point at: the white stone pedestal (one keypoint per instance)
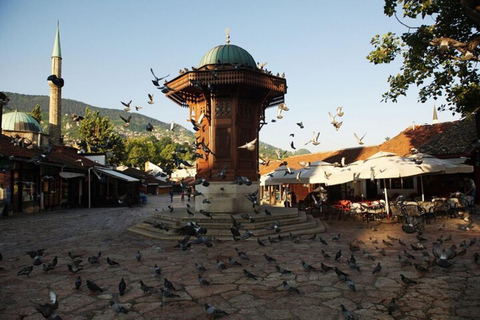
(226, 197)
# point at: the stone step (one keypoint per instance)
(291, 221)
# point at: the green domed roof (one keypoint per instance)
(228, 53)
(19, 121)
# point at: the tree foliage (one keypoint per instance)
(37, 113)
(160, 152)
(97, 135)
(437, 73)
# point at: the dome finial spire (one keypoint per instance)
(227, 32)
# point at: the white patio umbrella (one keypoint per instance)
(327, 173)
(386, 165)
(450, 166)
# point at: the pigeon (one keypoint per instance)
(283, 271)
(203, 281)
(204, 240)
(93, 287)
(249, 275)
(347, 314)
(340, 273)
(444, 256)
(126, 121)
(401, 242)
(76, 118)
(72, 256)
(275, 226)
(168, 284)
(314, 140)
(234, 262)
(48, 310)
(144, 287)
(73, 268)
(368, 255)
(340, 112)
(289, 288)
(350, 284)
(156, 81)
(121, 287)
(308, 267)
(47, 268)
(260, 242)
(200, 267)
(359, 140)
(25, 271)
(325, 267)
(168, 294)
(387, 243)
(408, 255)
(242, 255)
(322, 241)
(247, 234)
(269, 259)
(338, 255)
(392, 306)
(377, 269)
(138, 255)
(250, 146)
(78, 282)
(127, 105)
(112, 262)
(407, 281)
(336, 238)
(417, 247)
(212, 311)
(221, 265)
(157, 270)
(117, 307)
(420, 268)
(172, 126)
(404, 262)
(149, 127)
(300, 124)
(150, 99)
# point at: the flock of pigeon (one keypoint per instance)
(316, 135)
(348, 261)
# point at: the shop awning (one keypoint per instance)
(115, 174)
(70, 175)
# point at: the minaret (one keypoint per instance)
(55, 82)
(435, 116)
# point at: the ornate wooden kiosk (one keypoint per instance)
(227, 96)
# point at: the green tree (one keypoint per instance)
(37, 113)
(440, 54)
(97, 135)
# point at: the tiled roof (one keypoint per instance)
(436, 139)
(458, 139)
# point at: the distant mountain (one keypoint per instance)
(25, 103)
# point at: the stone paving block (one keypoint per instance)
(440, 294)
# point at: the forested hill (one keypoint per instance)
(25, 103)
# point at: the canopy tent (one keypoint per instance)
(115, 174)
(450, 166)
(327, 173)
(386, 165)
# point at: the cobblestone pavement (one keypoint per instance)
(451, 293)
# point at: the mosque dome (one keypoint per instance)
(19, 121)
(228, 53)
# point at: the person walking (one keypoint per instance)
(171, 195)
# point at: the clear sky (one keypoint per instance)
(109, 46)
